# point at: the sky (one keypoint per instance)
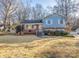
(44, 3)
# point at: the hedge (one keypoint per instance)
(55, 33)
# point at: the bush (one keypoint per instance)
(69, 36)
(60, 33)
(55, 33)
(46, 32)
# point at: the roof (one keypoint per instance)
(53, 16)
(31, 21)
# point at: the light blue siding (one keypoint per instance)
(55, 22)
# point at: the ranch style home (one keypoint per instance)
(51, 23)
(31, 26)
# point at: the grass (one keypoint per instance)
(46, 48)
(17, 39)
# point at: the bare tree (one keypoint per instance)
(38, 12)
(7, 9)
(66, 8)
(23, 11)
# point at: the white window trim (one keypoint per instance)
(59, 22)
(51, 22)
(48, 23)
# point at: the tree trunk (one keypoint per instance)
(5, 24)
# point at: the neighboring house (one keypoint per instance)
(54, 23)
(31, 26)
(77, 30)
(1, 27)
(75, 33)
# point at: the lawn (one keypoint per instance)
(18, 39)
(45, 48)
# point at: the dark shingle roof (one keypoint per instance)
(31, 21)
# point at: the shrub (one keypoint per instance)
(68, 36)
(55, 33)
(46, 32)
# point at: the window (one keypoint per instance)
(61, 21)
(49, 22)
(32, 26)
(26, 26)
(29, 26)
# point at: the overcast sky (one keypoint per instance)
(44, 3)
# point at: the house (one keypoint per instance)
(54, 23)
(75, 33)
(49, 23)
(31, 26)
(1, 27)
